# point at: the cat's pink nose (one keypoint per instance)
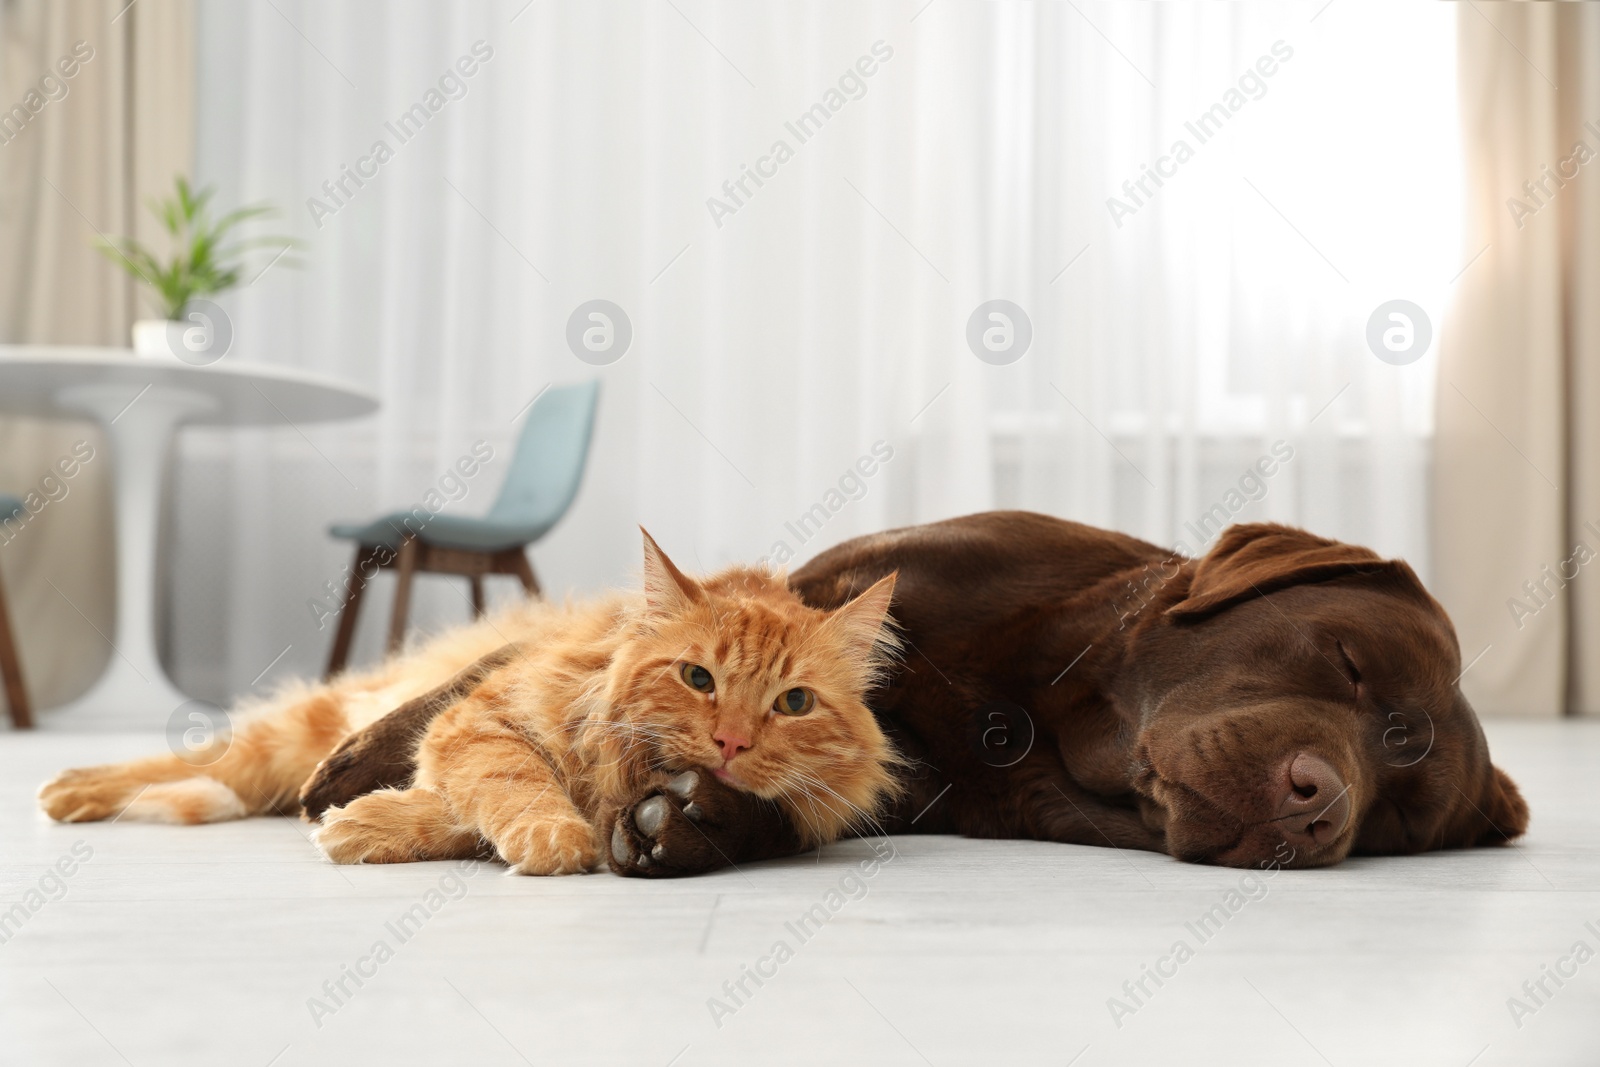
(730, 744)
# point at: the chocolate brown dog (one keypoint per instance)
(1284, 699)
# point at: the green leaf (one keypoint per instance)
(201, 262)
(233, 218)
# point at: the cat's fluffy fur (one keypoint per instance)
(591, 710)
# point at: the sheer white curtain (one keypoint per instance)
(781, 334)
(1223, 310)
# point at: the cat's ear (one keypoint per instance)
(864, 622)
(666, 589)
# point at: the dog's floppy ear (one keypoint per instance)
(1252, 559)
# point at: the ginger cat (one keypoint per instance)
(561, 717)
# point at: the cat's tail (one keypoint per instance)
(252, 770)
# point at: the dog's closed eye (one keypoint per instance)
(1348, 666)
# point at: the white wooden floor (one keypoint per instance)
(207, 945)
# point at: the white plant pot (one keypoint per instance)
(158, 338)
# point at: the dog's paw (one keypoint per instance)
(364, 763)
(687, 824)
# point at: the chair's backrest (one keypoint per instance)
(551, 454)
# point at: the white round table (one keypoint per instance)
(141, 402)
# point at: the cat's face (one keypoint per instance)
(735, 676)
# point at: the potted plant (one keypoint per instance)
(204, 261)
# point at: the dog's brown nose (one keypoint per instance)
(1316, 808)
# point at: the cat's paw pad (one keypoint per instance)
(561, 846)
(672, 830)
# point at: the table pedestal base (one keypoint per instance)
(135, 691)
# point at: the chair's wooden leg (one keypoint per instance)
(407, 568)
(524, 570)
(477, 596)
(11, 669)
(346, 633)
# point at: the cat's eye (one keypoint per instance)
(795, 701)
(697, 677)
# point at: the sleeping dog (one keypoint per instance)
(1284, 699)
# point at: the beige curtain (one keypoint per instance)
(1516, 504)
(93, 147)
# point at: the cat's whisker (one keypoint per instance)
(868, 817)
(798, 792)
(817, 805)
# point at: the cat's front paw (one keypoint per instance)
(686, 825)
(549, 846)
(367, 831)
(396, 826)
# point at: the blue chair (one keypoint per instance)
(545, 473)
(10, 666)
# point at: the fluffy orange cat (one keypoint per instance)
(578, 710)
